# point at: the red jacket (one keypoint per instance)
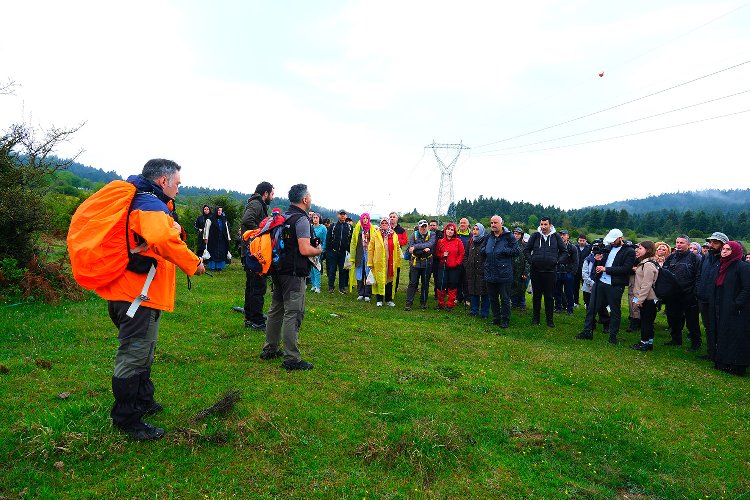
(455, 249)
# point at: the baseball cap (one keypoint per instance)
(342, 211)
(422, 222)
(518, 230)
(564, 231)
(718, 237)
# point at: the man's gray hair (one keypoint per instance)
(155, 169)
(501, 219)
(684, 237)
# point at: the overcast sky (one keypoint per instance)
(345, 95)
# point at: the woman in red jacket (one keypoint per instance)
(450, 254)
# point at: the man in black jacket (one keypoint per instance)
(613, 268)
(709, 270)
(337, 244)
(566, 269)
(543, 250)
(255, 286)
(685, 265)
(583, 249)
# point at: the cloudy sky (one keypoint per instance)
(345, 95)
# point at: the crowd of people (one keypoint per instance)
(491, 270)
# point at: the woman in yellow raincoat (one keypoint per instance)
(361, 236)
(384, 258)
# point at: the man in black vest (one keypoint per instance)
(255, 286)
(288, 298)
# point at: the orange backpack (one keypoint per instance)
(98, 239)
(264, 245)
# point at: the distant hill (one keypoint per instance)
(92, 174)
(708, 200)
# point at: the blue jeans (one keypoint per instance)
(482, 310)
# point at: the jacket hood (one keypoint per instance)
(551, 230)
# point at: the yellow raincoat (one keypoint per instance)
(354, 247)
(377, 259)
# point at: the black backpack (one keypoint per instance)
(666, 286)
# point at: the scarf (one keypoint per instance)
(480, 237)
(727, 261)
(365, 225)
(385, 232)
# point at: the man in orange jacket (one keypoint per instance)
(137, 298)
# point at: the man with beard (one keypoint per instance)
(255, 286)
(612, 272)
(705, 284)
(543, 250)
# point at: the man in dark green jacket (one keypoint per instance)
(255, 286)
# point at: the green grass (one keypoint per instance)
(400, 404)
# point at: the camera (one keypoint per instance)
(315, 242)
(598, 247)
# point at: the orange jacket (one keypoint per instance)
(150, 219)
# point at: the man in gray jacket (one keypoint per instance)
(421, 246)
(255, 286)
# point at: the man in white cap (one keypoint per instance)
(612, 271)
(709, 270)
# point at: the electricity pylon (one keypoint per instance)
(445, 194)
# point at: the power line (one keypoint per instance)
(626, 135)
(487, 153)
(617, 105)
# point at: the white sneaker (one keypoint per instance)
(390, 303)
(360, 297)
(379, 304)
(316, 290)
(367, 299)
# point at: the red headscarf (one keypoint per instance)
(727, 261)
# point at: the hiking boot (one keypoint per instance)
(503, 324)
(584, 335)
(612, 339)
(296, 365)
(238, 309)
(407, 307)
(143, 431)
(551, 324)
(360, 297)
(534, 321)
(254, 326)
(642, 346)
(331, 290)
(271, 355)
(153, 409)
(343, 292)
(423, 306)
(367, 299)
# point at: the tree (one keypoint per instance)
(25, 162)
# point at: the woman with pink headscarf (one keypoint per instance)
(730, 305)
(361, 235)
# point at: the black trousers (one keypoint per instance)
(543, 285)
(334, 263)
(648, 316)
(415, 275)
(604, 295)
(577, 278)
(710, 334)
(682, 312)
(255, 292)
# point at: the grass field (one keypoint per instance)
(400, 404)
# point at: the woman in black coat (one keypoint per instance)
(476, 288)
(732, 311)
(216, 236)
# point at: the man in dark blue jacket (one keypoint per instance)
(683, 311)
(613, 268)
(709, 270)
(337, 245)
(499, 249)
